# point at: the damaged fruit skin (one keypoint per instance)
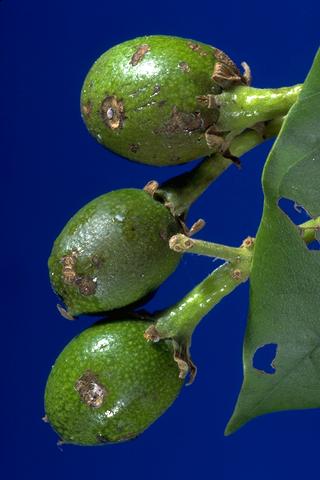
(109, 384)
(113, 252)
(140, 99)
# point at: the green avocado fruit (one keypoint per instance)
(139, 99)
(109, 384)
(113, 252)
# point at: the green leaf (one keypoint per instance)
(285, 279)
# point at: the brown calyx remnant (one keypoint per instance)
(112, 112)
(184, 66)
(151, 187)
(183, 359)
(248, 242)
(87, 108)
(91, 392)
(226, 73)
(197, 48)
(183, 122)
(139, 54)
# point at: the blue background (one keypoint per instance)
(51, 167)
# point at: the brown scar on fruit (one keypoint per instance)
(197, 48)
(184, 67)
(68, 268)
(182, 122)
(86, 285)
(112, 112)
(87, 108)
(139, 54)
(91, 392)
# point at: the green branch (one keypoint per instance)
(180, 192)
(178, 322)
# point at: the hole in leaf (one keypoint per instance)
(263, 358)
(314, 245)
(296, 213)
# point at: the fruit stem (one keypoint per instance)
(179, 321)
(182, 243)
(180, 192)
(243, 106)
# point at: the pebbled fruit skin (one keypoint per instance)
(113, 252)
(134, 381)
(139, 99)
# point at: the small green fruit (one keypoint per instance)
(113, 252)
(140, 98)
(109, 384)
